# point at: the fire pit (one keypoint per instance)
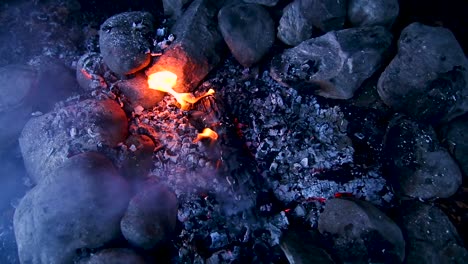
(232, 132)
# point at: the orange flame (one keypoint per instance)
(207, 133)
(164, 81)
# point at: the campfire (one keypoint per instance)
(232, 132)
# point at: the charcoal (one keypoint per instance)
(333, 65)
(125, 41)
(428, 77)
(457, 141)
(325, 14)
(418, 166)
(50, 139)
(80, 206)
(248, 31)
(360, 232)
(294, 27)
(263, 2)
(150, 218)
(137, 93)
(114, 255)
(197, 49)
(372, 13)
(430, 236)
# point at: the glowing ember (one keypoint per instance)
(165, 80)
(207, 133)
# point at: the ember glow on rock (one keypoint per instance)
(164, 81)
(207, 133)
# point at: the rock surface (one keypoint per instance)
(418, 166)
(174, 8)
(263, 2)
(326, 15)
(335, 64)
(137, 93)
(372, 13)
(90, 70)
(301, 246)
(138, 159)
(360, 232)
(114, 256)
(430, 236)
(457, 141)
(17, 84)
(428, 78)
(47, 141)
(294, 27)
(248, 31)
(78, 207)
(125, 41)
(151, 216)
(197, 49)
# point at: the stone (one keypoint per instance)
(90, 70)
(303, 247)
(197, 49)
(428, 77)
(457, 141)
(78, 207)
(47, 141)
(294, 27)
(333, 65)
(174, 8)
(430, 236)
(360, 232)
(263, 2)
(137, 163)
(151, 216)
(18, 82)
(248, 31)
(137, 92)
(114, 256)
(373, 13)
(326, 15)
(125, 41)
(418, 166)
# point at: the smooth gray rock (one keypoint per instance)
(90, 70)
(326, 15)
(294, 27)
(361, 233)
(125, 41)
(430, 236)
(300, 246)
(428, 78)
(174, 8)
(114, 256)
(17, 84)
(79, 206)
(248, 31)
(198, 46)
(418, 166)
(47, 141)
(150, 217)
(373, 13)
(333, 65)
(137, 92)
(263, 2)
(138, 157)
(456, 137)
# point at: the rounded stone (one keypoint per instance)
(114, 256)
(137, 92)
(90, 70)
(372, 13)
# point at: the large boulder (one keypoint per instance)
(333, 65)
(418, 166)
(428, 78)
(125, 41)
(294, 27)
(360, 232)
(430, 236)
(198, 46)
(47, 141)
(248, 31)
(150, 217)
(78, 207)
(372, 13)
(326, 15)
(17, 84)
